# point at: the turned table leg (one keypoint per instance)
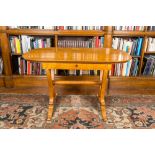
(102, 94)
(51, 94)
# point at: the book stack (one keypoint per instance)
(55, 28)
(131, 46)
(78, 43)
(149, 65)
(129, 28)
(150, 44)
(151, 28)
(22, 44)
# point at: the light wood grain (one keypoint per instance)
(77, 66)
(51, 94)
(78, 55)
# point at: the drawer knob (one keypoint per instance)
(76, 65)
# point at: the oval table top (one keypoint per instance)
(77, 55)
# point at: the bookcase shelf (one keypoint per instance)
(134, 33)
(30, 32)
(129, 33)
(150, 33)
(150, 53)
(80, 33)
(51, 32)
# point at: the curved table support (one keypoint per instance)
(102, 93)
(51, 94)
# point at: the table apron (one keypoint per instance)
(76, 66)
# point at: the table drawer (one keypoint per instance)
(78, 66)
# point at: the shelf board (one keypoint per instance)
(80, 32)
(153, 52)
(129, 33)
(150, 33)
(48, 32)
(51, 32)
(30, 32)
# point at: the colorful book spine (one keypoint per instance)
(140, 40)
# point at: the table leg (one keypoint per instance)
(101, 75)
(51, 94)
(102, 94)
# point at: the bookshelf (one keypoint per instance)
(115, 82)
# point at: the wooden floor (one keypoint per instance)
(72, 89)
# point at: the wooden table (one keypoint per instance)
(77, 59)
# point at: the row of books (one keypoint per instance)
(1, 66)
(150, 44)
(129, 28)
(22, 44)
(77, 72)
(120, 28)
(90, 43)
(55, 28)
(129, 68)
(151, 28)
(131, 45)
(23, 67)
(149, 65)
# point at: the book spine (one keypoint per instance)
(139, 46)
